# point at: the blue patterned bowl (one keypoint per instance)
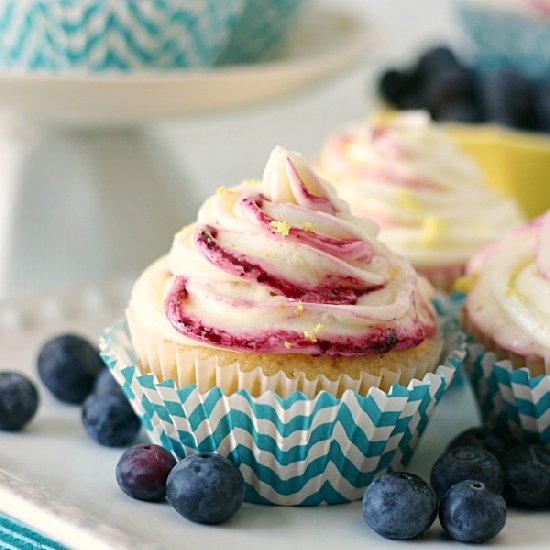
(98, 35)
(260, 30)
(506, 37)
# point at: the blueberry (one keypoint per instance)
(18, 401)
(506, 98)
(448, 87)
(471, 512)
(541, 104)
(399, 506)
(435, 60)
(463, 463)
(458, 111)
(141, 471)
(482, 438)
(206, 488)
(68, 366)
(397, 86)
(109, 419)
(527, 472)
(105, 383)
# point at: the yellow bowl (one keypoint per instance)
(515, 163)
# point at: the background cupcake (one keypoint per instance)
(429, 199)
(269, 334)
(98, 35)
(507, 311)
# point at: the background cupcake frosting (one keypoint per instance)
(430, 200)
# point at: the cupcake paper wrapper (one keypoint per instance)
(293, 450)
(95, 35)
(166, 361)
(510, 400)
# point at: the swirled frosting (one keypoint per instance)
(281, 266)
(510, 296)
(429, 199)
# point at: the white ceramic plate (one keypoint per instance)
(55, 479)
(325, 42)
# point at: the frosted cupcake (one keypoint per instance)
(507, 310)
(272, 332)
(429, 199)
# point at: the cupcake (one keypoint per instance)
(280, 332)
(429, 199)
(98, 35)
(507, 311)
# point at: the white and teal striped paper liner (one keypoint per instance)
(97, 35)
(293, 451)
(260, 30)
(502, 37)
(510, 401)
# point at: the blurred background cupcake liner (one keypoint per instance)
(510, 400)
(294, 450)
(260, 30)
(505, 36)
(97, 35)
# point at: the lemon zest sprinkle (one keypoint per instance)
(280, 226)
(288, 345)
(433, 229)
(311, 335)
(464, 283)
(307, 226)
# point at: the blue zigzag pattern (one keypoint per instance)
(293, 451)
(114, 34)
(260, 30)
(510, 400)
(508, 39)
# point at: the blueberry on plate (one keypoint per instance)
(399, 506)
(206, 488)
(462, 463)
(463, 111)
(105, 383)
(446, 88)
(483, 438)
(141, 471)
(527, 472)
(397, 86)
(109, 419)
(434, 60)
(68, 366)
(471, 512)
(541, 105)
(506, 98)
(18, 401)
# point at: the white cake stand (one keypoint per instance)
(80, 173)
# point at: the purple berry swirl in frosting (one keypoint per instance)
(281, 266)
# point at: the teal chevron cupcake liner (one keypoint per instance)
(510, 400)
(502, 37)
(261, 28)
(292, 451)
(97, 35)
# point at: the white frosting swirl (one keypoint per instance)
(510, 297)
(429, 199)
(281, 266)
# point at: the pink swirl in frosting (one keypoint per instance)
(348, 294)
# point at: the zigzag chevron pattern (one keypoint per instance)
(261, 28)
(510, 400)
(508, 39)
(293, 451)
(114, 34)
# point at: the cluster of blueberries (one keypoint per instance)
(205, 487)
(452, 92)
(470, 483)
